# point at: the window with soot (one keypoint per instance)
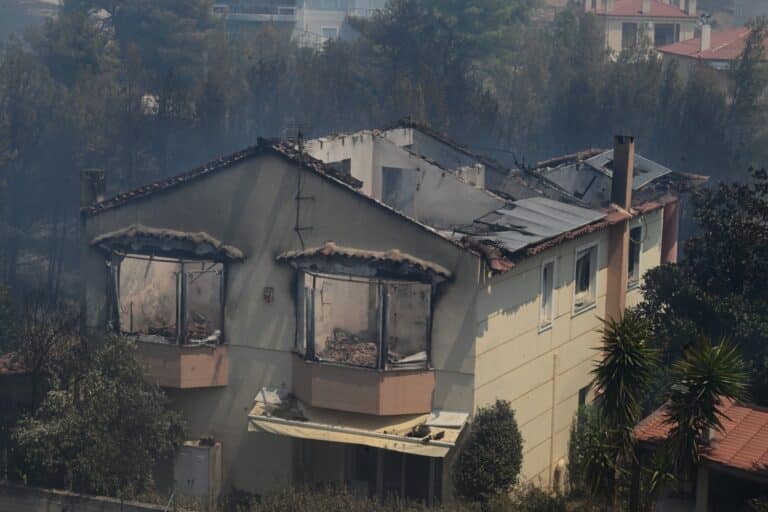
(169, 299)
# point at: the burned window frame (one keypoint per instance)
(306, 318)
(181, 302)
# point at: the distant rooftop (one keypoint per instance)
(657, 9)
(741, 445)
(726, 45)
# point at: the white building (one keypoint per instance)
(313, 22)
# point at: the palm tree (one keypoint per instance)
(706, 377)
(624, 374)
(623, 377)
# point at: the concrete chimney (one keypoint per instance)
(691, 8)
(706, 37)
(93, 186)
(623, 170)
(670, 232)
(646, 7)
(618, 233)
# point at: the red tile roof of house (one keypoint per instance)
(742, 444)
(657, 9)
(726, 45)
(10, 364)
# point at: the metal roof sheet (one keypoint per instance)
(533, 220)
(645, 170)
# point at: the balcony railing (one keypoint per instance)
(362, 390)
(184, 366)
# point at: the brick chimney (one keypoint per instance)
(618, 233)
(623, 170)
(670, 232)
(93, 186)
(706, 37)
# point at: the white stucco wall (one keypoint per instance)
(437, 193)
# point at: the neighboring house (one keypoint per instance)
(719, 50)
(312, 22)
(334, 311)
(733, 469)
(627, 22)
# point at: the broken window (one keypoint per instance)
(170, 299)
(635, 243)
(547, 294)
(407, 328)
(665, 33)
(346, 321)
(343, 166)
(398, 188)
(628, 35)
(585, 278)
(370, 323)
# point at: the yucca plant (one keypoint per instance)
(623, 378)
(623, 375)
(706, 377)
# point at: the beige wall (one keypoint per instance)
(613, 29)
(251, 206)
(650, 251)
(541, 372)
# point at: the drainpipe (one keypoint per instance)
(618, 234)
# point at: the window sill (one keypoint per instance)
(545, 327)
(633, 285)
(583, 309)
(321, 362)
(162, 340)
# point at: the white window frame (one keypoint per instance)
(593, 282)
(632, 284)
(545, 324)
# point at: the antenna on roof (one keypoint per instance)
(297, 227)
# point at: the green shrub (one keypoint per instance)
(490, 461)
(104, 434)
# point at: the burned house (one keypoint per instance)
(333, 311)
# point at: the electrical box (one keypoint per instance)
(197, 471)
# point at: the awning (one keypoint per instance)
(428, 435)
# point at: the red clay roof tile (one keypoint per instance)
(657, 9)
(726, 45)
(742, 444)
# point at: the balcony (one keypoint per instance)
(363, 390)
(184, 366)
